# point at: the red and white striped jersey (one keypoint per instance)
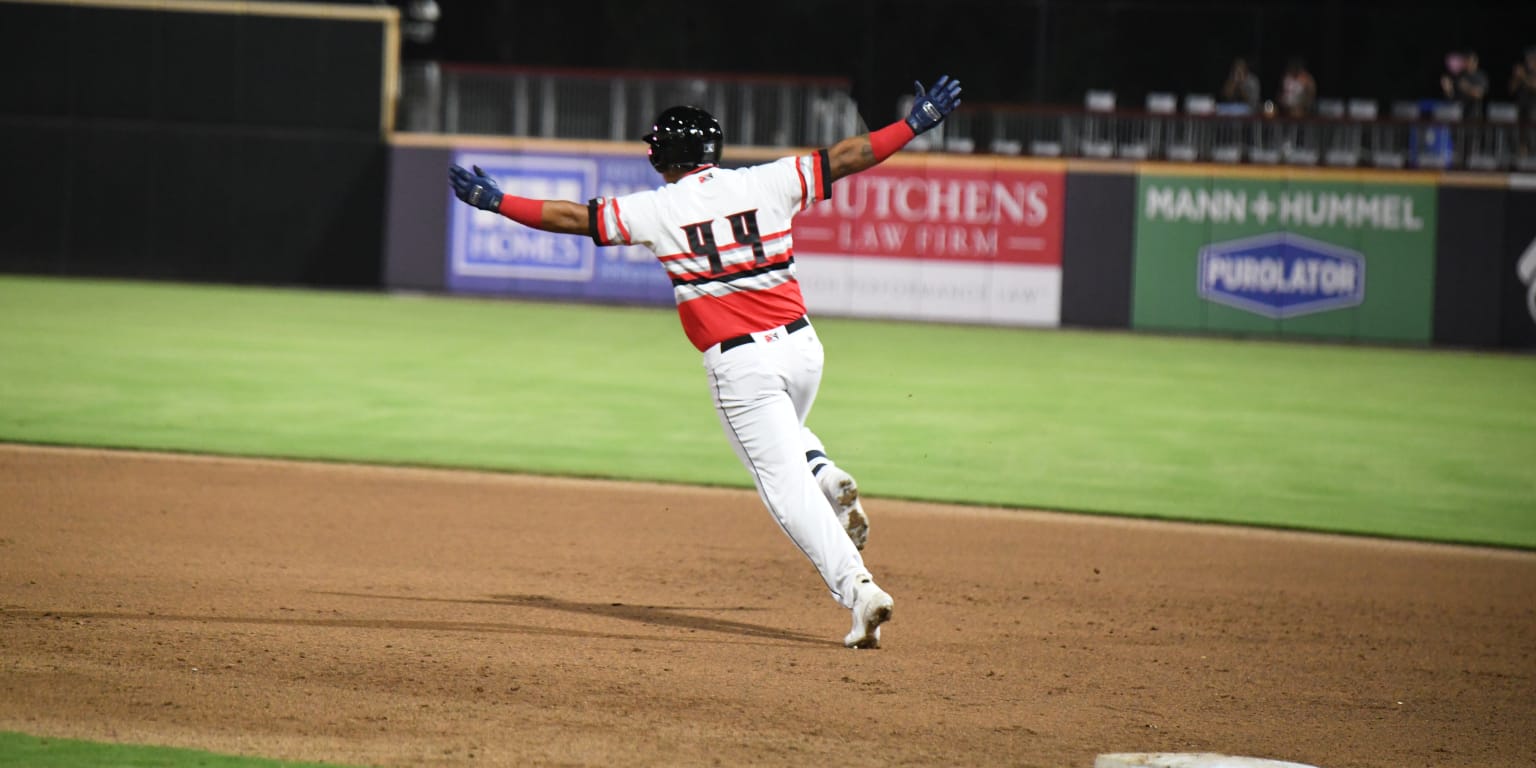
(724, 237)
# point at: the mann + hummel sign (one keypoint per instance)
(1281, 275)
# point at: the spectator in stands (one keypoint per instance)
(1522, 85)
(1298, 91)
(1471, 88)
(1453, 65)
(1242, 86)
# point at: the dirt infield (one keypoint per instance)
(410, 617)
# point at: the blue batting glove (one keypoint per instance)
(931, 107)
(477, 189)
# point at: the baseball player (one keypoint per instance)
(723, 236)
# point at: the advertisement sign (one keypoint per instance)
(1281, 275)
(937, 241)
(489, 253)
(1321, 256)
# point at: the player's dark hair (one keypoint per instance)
(684, 138)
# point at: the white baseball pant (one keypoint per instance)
(763, 391)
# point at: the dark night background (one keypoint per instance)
(1033, 51)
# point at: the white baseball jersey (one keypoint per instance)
(723, 236)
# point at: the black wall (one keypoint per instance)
(1097, 248)
(1517, 299)
(1469, 249)
(416, 246)
(217, 147)
(1480, 299)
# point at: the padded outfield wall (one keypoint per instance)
(919, 237)
(1378, 257)
(195, 139)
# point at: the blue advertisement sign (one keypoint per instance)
(1280, 275)
(489, 253)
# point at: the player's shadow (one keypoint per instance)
(680, 617)
(654, 615)
(659, 615)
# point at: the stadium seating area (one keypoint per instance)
(1196, 128)
(768, 111)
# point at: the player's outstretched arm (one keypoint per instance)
(480, 190)
(858, 153)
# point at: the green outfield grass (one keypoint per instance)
(1395, 442)
(32, 752)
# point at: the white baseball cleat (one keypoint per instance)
(843, 492)
(871, 608)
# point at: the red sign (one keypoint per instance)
(992, 215)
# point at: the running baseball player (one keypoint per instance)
(723, 236)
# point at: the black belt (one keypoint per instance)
(746, 338)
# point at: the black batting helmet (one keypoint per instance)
(684, 138)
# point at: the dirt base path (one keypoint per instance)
(409, 617)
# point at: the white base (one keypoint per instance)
(1187, 760)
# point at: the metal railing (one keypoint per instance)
(619, 106)
(806, 112)
(1338, 137)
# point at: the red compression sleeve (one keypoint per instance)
(529, 213)
(887, 140)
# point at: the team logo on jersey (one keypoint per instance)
(1281, 275)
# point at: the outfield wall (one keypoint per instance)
(1379, 257)
(195, 140)
(246, 142)
(974, 240)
